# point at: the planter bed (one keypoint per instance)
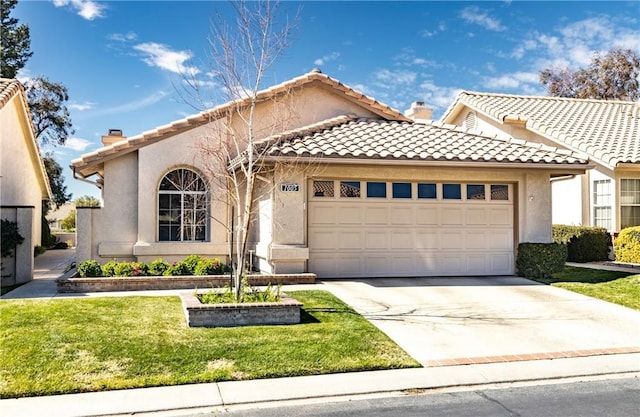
(76, 284)
(285, 311)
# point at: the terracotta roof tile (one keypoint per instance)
(608, 131)
(358, 138)
(8, 88)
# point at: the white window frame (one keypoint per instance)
(629, 200)
(603, 199)
(187, 230)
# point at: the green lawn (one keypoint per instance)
(616, 287)
(75, 345)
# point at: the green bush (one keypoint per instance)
(584, 243)
(131, 269)
(158, 267)
(627, 245)
(109, 269)
(540, 260)
(209, 267)
(89, 268)
(191, 262)
(10, 237)
(178, 269)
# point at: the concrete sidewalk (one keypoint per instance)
(218, 396)
(48, 267)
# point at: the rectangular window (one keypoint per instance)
(350, 189)
(602, 204)
(475, 192)
(451, 191)
(323, 189)
(629, 203)
(499, 192)
(401, 190)
(376, 190)
(427, 191)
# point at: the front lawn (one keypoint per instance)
(75, 345)
(616, 287)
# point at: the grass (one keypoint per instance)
(78, 345)
(613, 286)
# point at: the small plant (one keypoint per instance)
(158, 267)
(130, 269)
(191, 262)
(109, 269)
(209, 267)
(178, 269)
(627, 245)
(89, 269)
(39, 250)
(249, 295)
(10, 237)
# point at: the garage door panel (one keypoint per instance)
(476, 240)
(452, 239)
(402, 265)
(476, 264)
(402, 240)
(452, 216)
(376, 215)
(376, 265)
(452, 264)
(350, 239)
(427, 239)
(375, 239)
(323, 239)
(476, 216)
(501, 239)
(349, 215)
(323, 214)
(402, 215)
(428, 216)
(324, 265)
(351, 264)
(500, 263)
(501, 216)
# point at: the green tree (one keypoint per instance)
(87, 201)
(15, 41)
(56, 180)
(49, 112)
(611, 76)
(69, 222)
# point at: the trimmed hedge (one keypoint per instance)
(193, 264)
(584, 243)
(627, 245)
(540, 260)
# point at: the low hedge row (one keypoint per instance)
(191, 265)
(540, 260)
(584, 243)
(627, 245)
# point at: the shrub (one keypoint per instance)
(158, 267)
(89, 268)
(10, 237)
(39, 250)
(627, 245)
(60, 245)
(177, 269)
(130, 269)
(540, 260)
(191, 262)
(109, 269)
(584, 243)
(209, 267)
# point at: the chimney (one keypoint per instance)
(114, 135)
(419, 111)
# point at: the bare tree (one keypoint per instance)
(234, 148)
(612, 76)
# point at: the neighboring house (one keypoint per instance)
(357, 189)
(56, 216)
(608, 132)
(23, 179)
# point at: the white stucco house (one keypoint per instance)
(355, 188)
(23, 180)
(608, 132)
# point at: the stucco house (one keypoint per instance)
(608, 132)
(353, 188)
(23, 180)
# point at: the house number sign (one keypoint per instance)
(289, 188)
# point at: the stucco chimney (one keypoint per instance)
(114, 135)
(419, 111)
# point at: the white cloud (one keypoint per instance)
(527, 45)
(331, 57)
(396, 77)
(87, 105)
(134, 105)
(88, 9)
(511, 81)
(439, 98)
(473, 14)
(159, 55)
(122, 37)
(77, 144)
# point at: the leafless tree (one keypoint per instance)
(233, 149)
(612, 76)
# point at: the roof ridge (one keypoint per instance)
(538, 97)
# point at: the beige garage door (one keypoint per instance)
(386, 229)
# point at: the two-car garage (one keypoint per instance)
(386, 228)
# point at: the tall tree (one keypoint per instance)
(241, 54)
(610, 76)
(15, 41)
(56, 180)
(51, 118)
(87, 201)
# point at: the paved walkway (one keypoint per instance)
(440, 373)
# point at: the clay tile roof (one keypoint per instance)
(348, 137)
(8, 88)
(607, 131)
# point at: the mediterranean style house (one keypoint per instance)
(608, 132)
(350, 188)
(23, 180)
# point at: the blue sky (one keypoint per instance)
(122, 60)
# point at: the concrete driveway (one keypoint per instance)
(448, 321)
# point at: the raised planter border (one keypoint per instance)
(285, 311)
(73, 284)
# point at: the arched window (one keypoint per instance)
(182, 207)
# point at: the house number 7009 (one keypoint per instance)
(289, 188)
